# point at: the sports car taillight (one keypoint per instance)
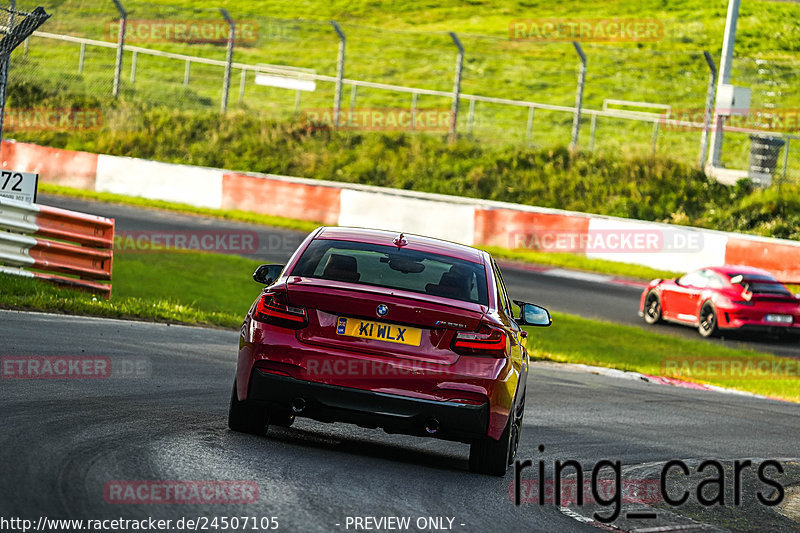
(487, 341)
(272, 310)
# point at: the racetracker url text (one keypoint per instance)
(199, 523)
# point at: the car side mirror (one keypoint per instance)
(533, 315)
(267, 274)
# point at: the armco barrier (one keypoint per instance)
(466, 220)
(88, 255)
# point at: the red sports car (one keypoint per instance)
(723, 298)
(407, 333)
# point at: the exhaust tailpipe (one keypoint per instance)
(432, 426)
(298, 405)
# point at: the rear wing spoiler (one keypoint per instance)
(741, 280)
(745, 283)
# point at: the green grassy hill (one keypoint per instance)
(406, 43)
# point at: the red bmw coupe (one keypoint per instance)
(407, 333)
(723, 298)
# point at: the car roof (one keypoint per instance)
(733, 270)
(415, 242)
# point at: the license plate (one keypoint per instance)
(781, 319)
(379, 331)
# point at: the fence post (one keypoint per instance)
(529, 128)
(655, 136)
(592, 132)
(786, 157)
(242, 83)
(123, 22)
(414, 97)
(724, 77)
(353, 96)
(456, 86)
(133, 67)
(712, 81)
(186, 73)
(5, 64)
(226, 82)
(337, 97)
(15, 34)
(471, 116)
(81, 58)
(576, 121)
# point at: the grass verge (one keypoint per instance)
(177, 287)
(573, 339)
(564, 260)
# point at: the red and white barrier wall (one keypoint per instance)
(466, 220)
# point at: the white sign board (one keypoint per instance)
(285, 83)
(19, 186)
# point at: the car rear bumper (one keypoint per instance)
(792, 329)
(394, 413)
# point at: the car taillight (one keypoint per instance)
(271, 309)
(485, 341)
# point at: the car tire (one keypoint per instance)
(707, 323)
(246, 418)
(652, 308)
(281, 418)
(492, 457)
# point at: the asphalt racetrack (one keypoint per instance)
(163, 417)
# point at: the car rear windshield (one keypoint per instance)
(763, 284)
(393, 268)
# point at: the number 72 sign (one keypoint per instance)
(20, 186)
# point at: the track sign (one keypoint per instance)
(19, 186)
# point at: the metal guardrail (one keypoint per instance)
(83, 248)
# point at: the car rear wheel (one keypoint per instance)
(246, 418)
(281, 418)
(489, 456)
(652, 308)
(708, 321)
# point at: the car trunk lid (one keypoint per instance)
(346, 316)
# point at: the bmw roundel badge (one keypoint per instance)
(382, 310)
